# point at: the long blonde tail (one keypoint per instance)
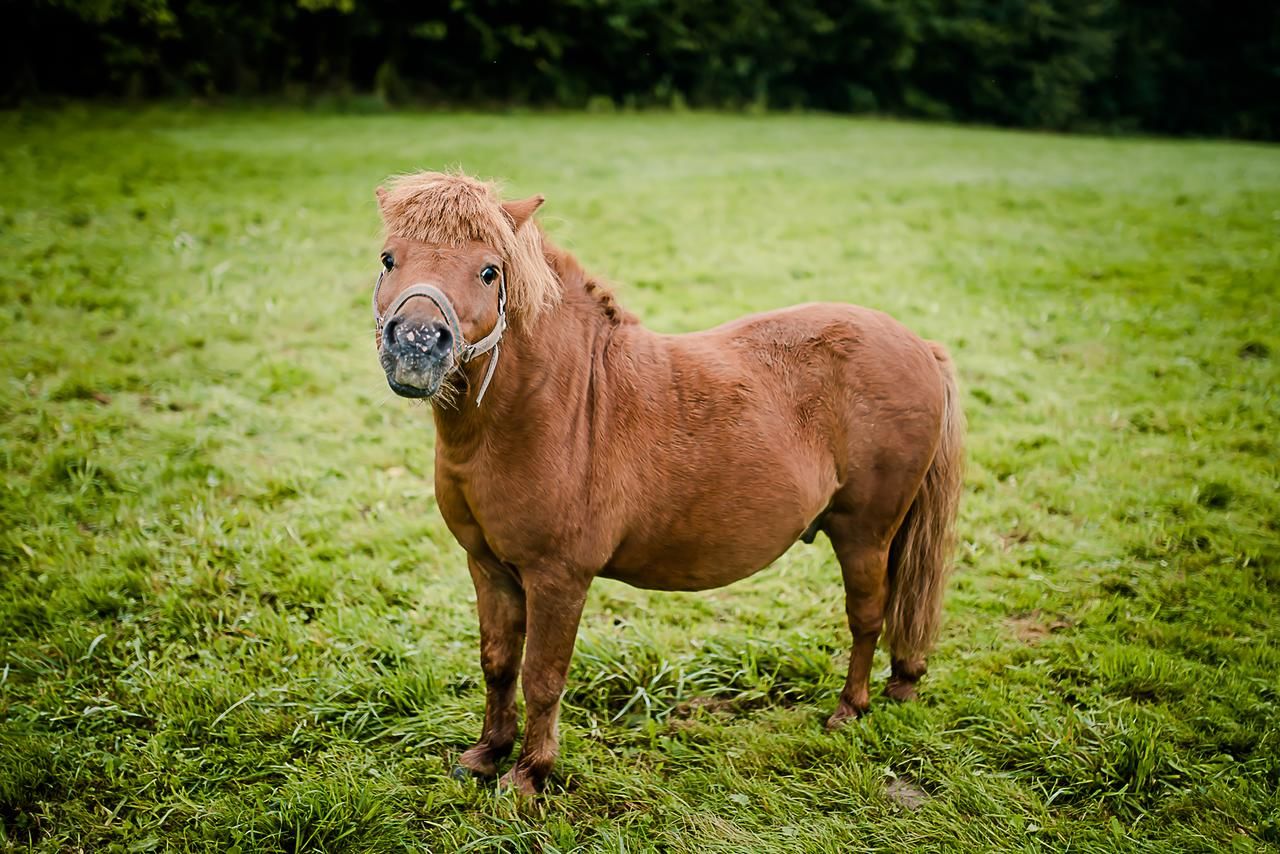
(920, 556)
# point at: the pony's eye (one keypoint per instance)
(387, 261)
(489, 275)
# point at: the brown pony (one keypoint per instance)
(572, 442)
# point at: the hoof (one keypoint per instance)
(842, 715)
(478, 761)
(901, 690)
(902, 681)
(518, 783)
(462, 772)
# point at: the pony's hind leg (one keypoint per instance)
(864, 565)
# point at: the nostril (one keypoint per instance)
(444, 341)
(389, 330)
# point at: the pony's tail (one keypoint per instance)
(920, 555)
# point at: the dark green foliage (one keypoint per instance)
(1188, 67)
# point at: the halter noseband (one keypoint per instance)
(463, 351)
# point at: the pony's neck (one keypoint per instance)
(544, 365)
(583, 293)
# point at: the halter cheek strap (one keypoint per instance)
(463, 350)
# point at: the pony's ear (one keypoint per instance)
(520, 211)
(381, 194)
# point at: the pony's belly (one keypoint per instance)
(697, 564)
(712, 531)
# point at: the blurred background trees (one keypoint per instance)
(1178, 67)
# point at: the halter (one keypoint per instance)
(464, 352)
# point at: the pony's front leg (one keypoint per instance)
(553, 609)
(501, 605)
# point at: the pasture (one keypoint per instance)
(232, 620)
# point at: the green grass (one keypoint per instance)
(232, 620)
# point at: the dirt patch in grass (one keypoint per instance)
(1034, 626)
(710, 705)
(905, 794)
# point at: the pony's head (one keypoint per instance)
(458, 266)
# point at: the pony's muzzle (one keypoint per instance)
(405, 336)
(416, 355)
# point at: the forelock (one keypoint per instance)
(445, 209)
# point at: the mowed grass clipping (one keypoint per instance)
(231, 618)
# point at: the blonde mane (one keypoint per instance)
(453, 209)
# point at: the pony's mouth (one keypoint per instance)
(416, 378)
(412, 391)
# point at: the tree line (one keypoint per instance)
(1182, 67)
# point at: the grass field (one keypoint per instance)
(232, 620)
